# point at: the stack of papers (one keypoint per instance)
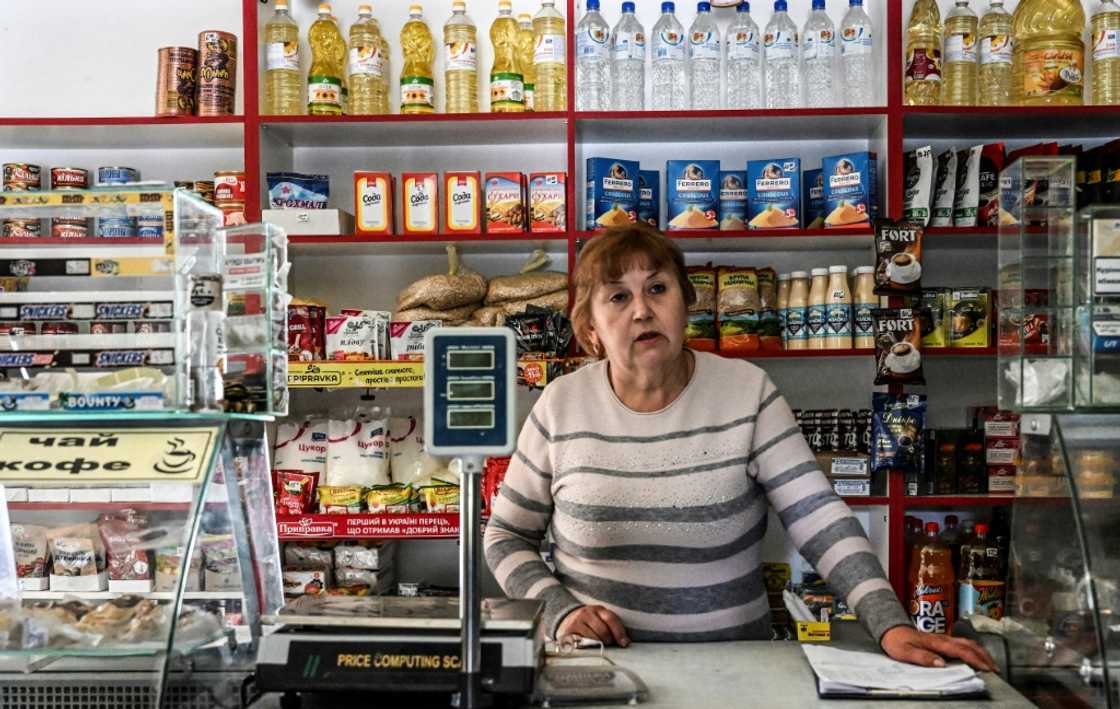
(847, 673)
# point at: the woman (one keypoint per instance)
(653, 469)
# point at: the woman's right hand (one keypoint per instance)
(594, 623)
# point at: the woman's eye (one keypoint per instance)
(618, 298)
(657, 288)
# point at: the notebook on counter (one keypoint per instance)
(870, 675)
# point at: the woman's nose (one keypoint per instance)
(641, 308)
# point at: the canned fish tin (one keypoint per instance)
(116, 227)
(117, 175)
(69, 228)
(233, 214)
(149, 225)
(217, 73)
(177, 81)
(69, 178)
(21, 228)
(205, 190)
(58, 328)
(229, 186)
(22, 177)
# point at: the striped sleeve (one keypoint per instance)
(821, 526)
(521, 517)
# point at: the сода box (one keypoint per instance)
(419, 203)
(462, 202)
(373, 202)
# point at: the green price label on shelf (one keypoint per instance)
(179, 455)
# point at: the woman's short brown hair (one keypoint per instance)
(607, 256)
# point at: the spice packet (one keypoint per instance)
(898, 347)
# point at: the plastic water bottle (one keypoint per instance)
(783, 66)
(704, 55)
(628, 61)
(857, 60)
(818, 51)
(669, 90)
(592, 60)
(744, 61)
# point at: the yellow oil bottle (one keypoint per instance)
(507, 80)
(1049, 60)
(526, 44)
(960, 56)
(328, 65)
(994, 85)
(418, 48)
(1105, 32)
(550, 59)
(922, 78)
(460, 61)
(283, 85)
(365, 80)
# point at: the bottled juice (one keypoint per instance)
(328, 65)
(960, 56)
(460, 61)
(932, 591)
(994, 83)
(1105, 33)
(550, 59)
(922, 78)
(283, 86)
(418, 48)
(816, 315)
(365, 67)
(526, 44)
(507, 81)
(982, 586)
(1049, 60)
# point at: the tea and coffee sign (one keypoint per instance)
(81, 455)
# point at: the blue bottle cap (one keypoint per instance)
(628, 7)
(855, 3)
(703, 7)
(743, 7)
(592, 5)
(817, 4)
(780, 6)
(667, 7)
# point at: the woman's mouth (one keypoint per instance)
(648, 336)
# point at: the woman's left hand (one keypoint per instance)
(907, 644)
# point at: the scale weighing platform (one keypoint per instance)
(464, 645)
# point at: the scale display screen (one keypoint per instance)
(470, 390)
(470, 418)
(470, 359)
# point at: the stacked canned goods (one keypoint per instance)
(177, 81)
(229, 195)
(121, 226)
(217, 73)
(21, 177)
(69, 178)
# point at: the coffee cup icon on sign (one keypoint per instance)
(177, 459)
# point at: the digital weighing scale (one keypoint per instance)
(389, 644)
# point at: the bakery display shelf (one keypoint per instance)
(368, 526)
(923, 501)
(109, 595)
(1009, 122)
(107, 650)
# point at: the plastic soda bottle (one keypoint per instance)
(932, 593)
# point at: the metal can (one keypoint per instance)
(117, 175)
(69, 178)
(58, 328)
(102, 327)
(149, 226)
(116, 227)
(205, 190)
(229, 186)
(233, 214)
(62, 228)
(177, 81)
(217, 73)
(22, 177)
(21, 228)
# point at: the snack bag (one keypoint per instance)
(739, 310)
(701, 328)
(294, 491)
(396, 499)
(340, 500)
(302, 447)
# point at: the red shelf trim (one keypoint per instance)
(368, 526)
(85, 241)
(416, 119)
(121, 121)
(418, 238)
(751, 233)
(730, 113)
(866, 501)
(1010, 111)
(957, 501)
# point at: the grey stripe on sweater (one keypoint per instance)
(660, 516)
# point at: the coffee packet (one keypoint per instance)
(945, 191)
(919, 185)
(898, 346)
(898, 254)
(897, 425)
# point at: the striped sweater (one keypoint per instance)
(660, 516)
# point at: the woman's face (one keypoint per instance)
(639, 320)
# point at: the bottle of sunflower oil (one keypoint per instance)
(961, 60)
(507, 81)
(922, 78)
(1105, 33)
(526, 44)
(386, 71)
(418, 48)
(460, 61)
(1049, 61)
(550, 59)
(994, 87)
(283, 86)
(328, 65)
(365, 77)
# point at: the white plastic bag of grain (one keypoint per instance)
(302, 446)
(945, 191)
(919, 185)
(410, 464)
(359, 450)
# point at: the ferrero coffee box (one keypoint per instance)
(774, 193)
(649, 198)
(812, 198)
(851, 190)
(732, 200)
(612, 193)
(692, 194)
